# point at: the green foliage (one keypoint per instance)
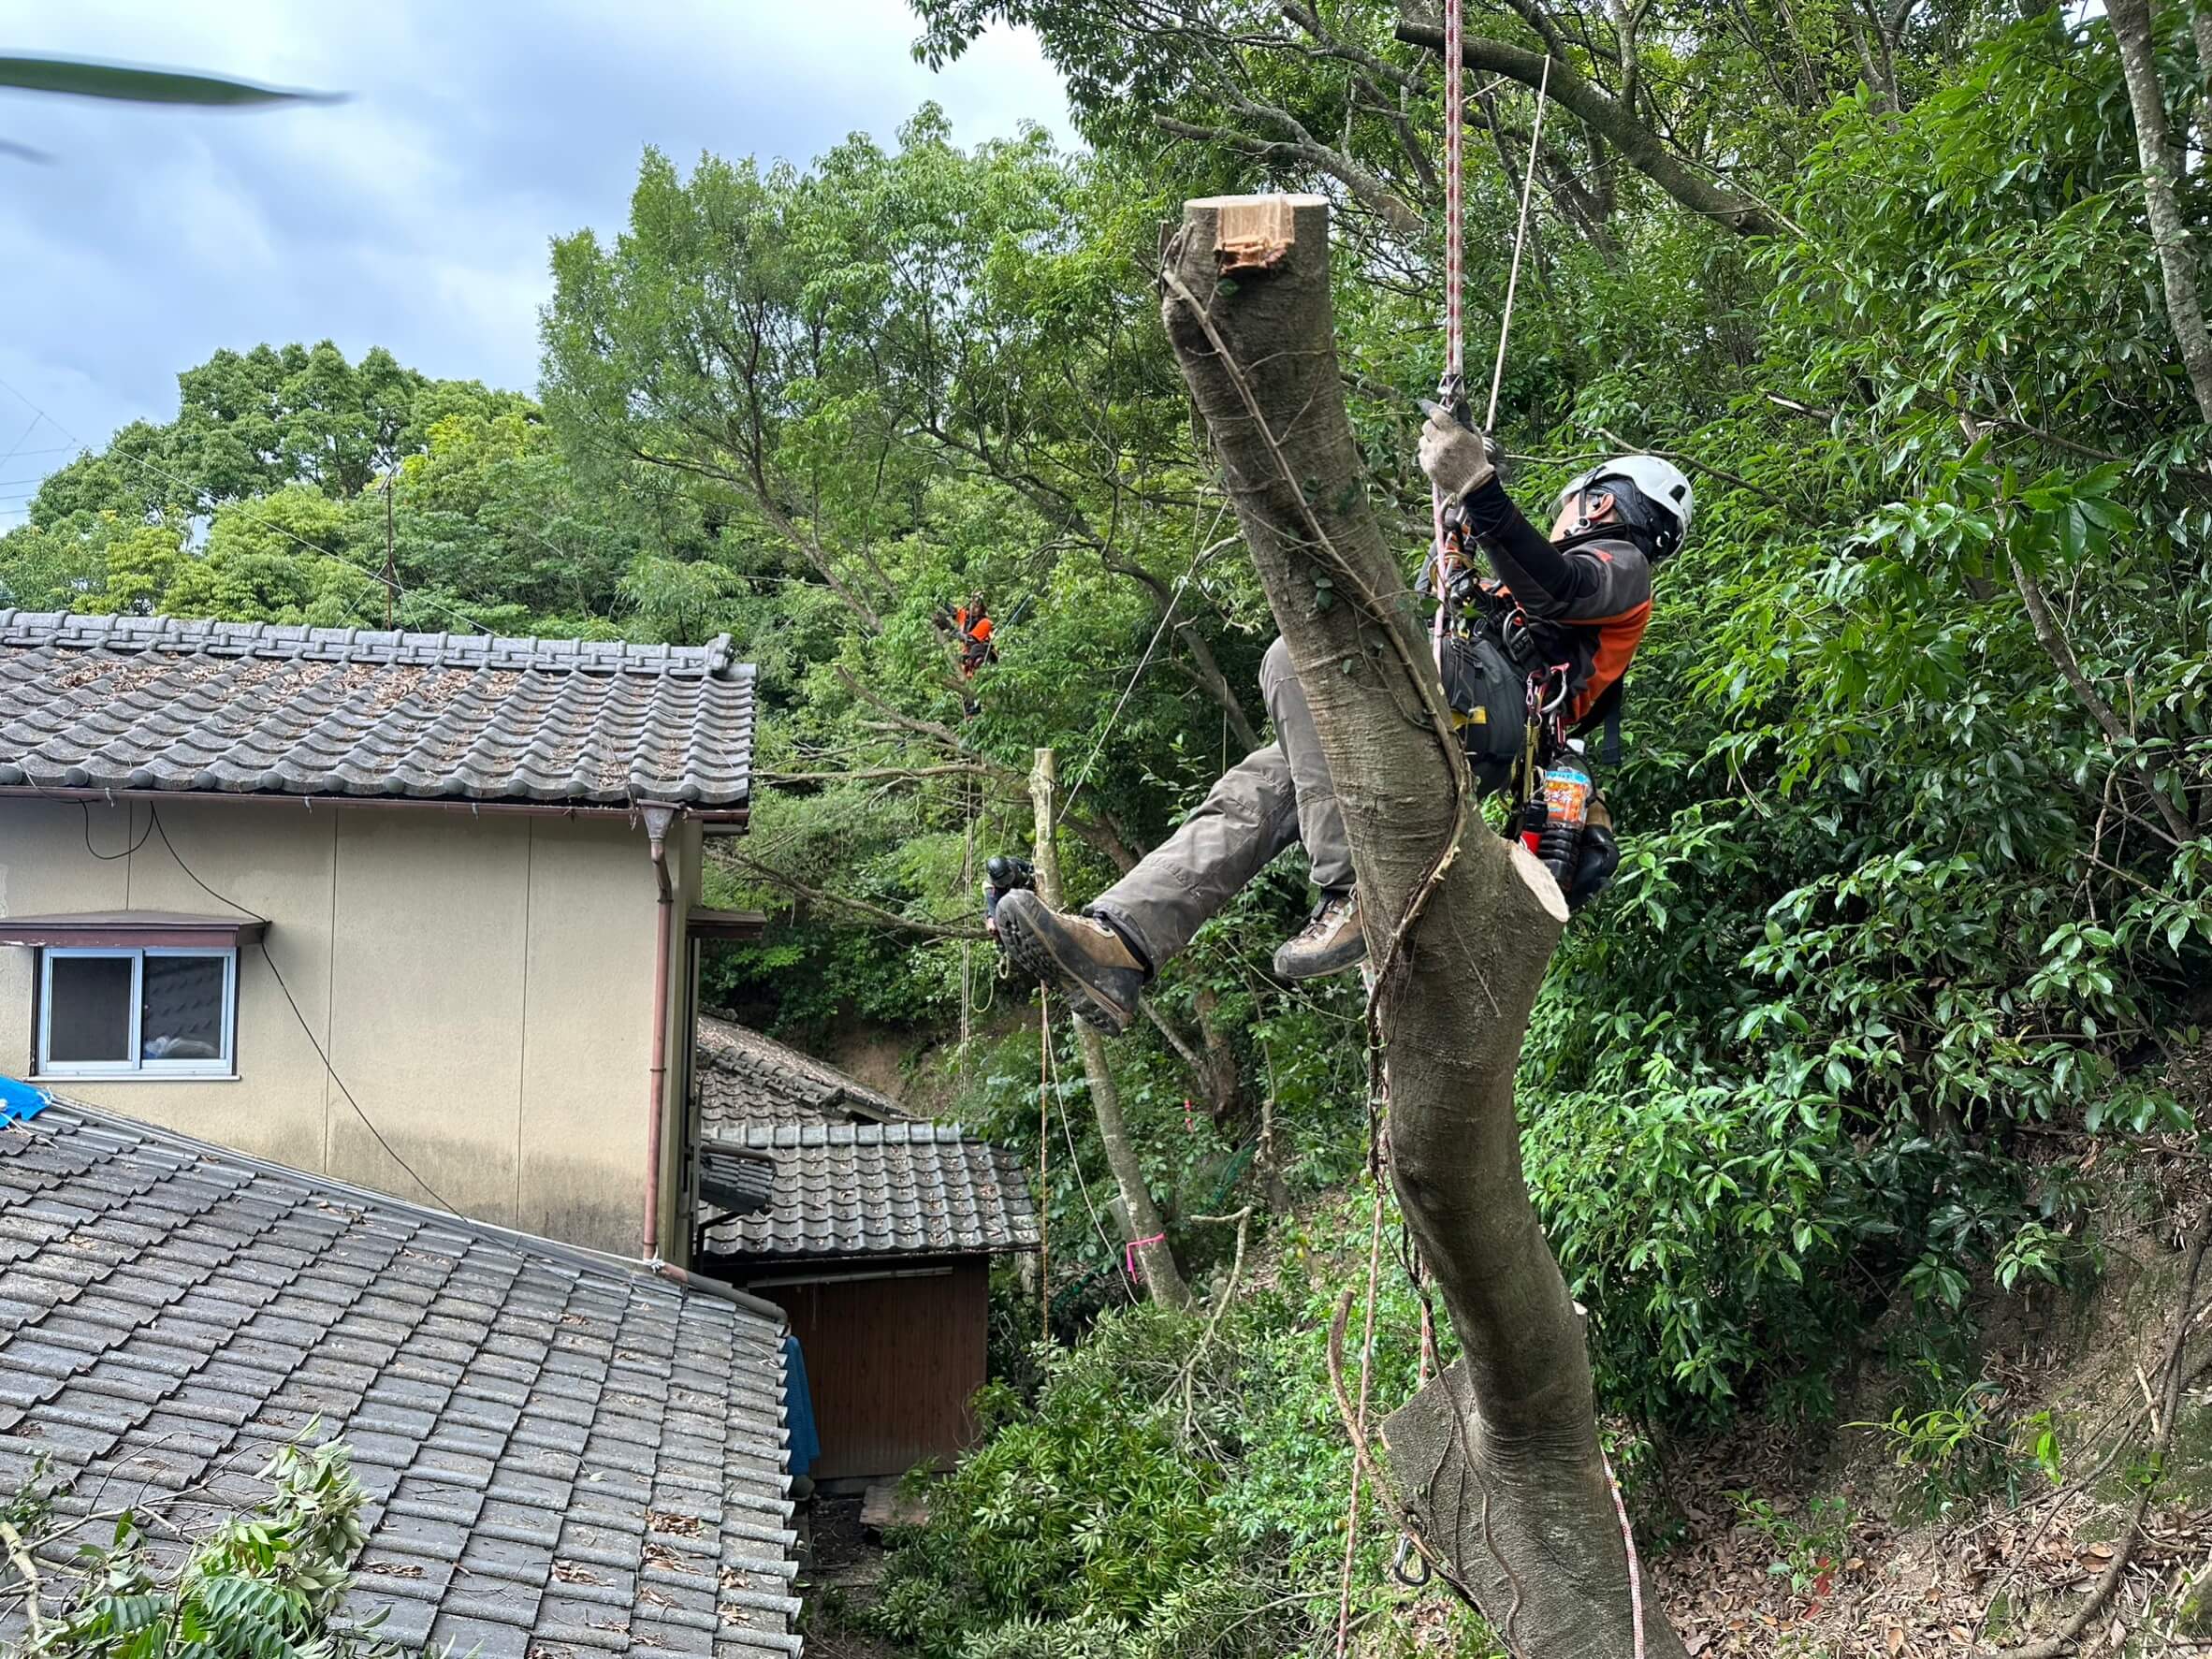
(267, 1583)
(1808, 1550)
(265, 500)
(1961, 1449)
(1167, 1492)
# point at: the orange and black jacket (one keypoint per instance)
(975, 640)
(1583, 601)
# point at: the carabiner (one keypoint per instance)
(1407, 1549)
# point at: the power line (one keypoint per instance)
(239, 508)
(306, 1030)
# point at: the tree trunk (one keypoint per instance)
(1498, 1459)
(1147, 1237)
(2130, 28)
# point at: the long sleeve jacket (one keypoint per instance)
(1583, 601)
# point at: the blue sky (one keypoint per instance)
(415, 215)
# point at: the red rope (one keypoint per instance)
(1454, 321)
(1454, 112)
(1636, 1578)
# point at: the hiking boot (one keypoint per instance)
(1331, 943)
(1080, 957)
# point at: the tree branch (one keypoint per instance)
(1366, 189)
(2132, 30)
(859, 906)
(1643, 149)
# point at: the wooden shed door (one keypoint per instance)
(892, 1363)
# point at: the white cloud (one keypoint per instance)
(416, 214)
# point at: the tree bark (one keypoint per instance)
(1509, 1488)
(2184, 313)
(1639, 146)
(1147, 1237)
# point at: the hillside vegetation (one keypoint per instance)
(1914, 918)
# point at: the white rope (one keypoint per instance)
(1497, 373)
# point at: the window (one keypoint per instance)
(125, 1012)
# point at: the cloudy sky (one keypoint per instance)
(415, 215)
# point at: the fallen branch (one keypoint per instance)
(12, 1541)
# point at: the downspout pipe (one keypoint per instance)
(658, 822)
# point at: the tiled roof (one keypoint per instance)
(152, 702)
(881, 1189)
(735, 1183)
(746, 1078)
(565, 1455)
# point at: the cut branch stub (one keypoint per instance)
(1462, 922)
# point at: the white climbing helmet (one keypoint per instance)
(1662, 486)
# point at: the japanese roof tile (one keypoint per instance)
(515, 1475)
(156, 703)
(877, 1189)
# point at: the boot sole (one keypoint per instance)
(1327, 968)
(1032, 954)
(1323, 972)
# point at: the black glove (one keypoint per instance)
(1599, 857)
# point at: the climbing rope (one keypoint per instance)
(1636, 1578)
(1497, 373)
(1044, 1150)
(1045, 1038)
(1351, 1520)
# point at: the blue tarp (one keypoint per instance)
(21, 1101)
(798, 1410)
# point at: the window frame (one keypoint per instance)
(223, 1066)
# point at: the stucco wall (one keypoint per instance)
(482, 984)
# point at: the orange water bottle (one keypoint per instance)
(1566, 809)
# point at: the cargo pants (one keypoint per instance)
(1280, 794)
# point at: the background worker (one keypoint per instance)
(971, 627)
(1575, 602)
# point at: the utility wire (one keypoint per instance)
(110, 857)
(306, 1030)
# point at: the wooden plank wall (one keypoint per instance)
(892, 1363)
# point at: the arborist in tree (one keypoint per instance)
(969, 624)
(1531, 654)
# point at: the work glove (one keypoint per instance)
(1455, 458)
(1595, 862)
